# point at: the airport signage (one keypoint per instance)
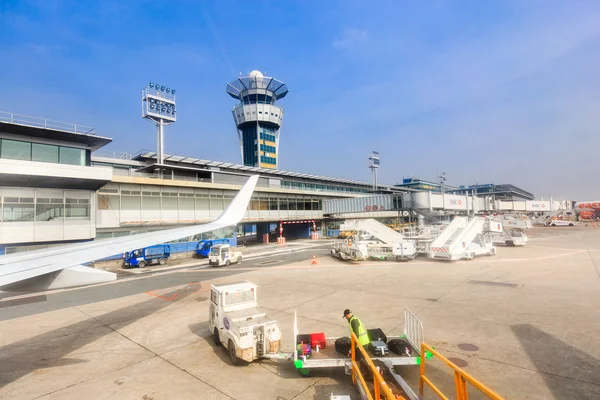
(537, 206)
(455, 202)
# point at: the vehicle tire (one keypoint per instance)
(227, 263)
(216, 338)
(571, 224)
(162, 261)
(142, 264)
(304, 372)
(552, 224)
(232, 355)
(239, 260)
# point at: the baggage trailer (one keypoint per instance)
(328, 357)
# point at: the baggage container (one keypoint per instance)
(379, 348)
(343, 345)
(377, 334)
(303, 338)
(400, 347)
(318, 339)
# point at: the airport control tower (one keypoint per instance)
(258, 118)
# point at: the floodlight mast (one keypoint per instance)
(159, 107)
(374, 166)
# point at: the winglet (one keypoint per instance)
(236, 210)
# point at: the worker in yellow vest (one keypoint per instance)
(359, 330)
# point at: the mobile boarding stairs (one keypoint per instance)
(513, 231)
(466, 238)
(388, 243)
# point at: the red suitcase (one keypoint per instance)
(318, 339)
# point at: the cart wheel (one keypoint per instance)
(142, 264)
(304, 372)
(227, 263)
(216, 338)
(232, 355)
(162, 261)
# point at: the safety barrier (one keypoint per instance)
(460, 379)
(379, 385)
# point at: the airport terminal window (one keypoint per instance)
(308, 204)
(292, 204)
(19, 150)
(44, 153)
(49, 209)
(77, 208)
(16, 150)
(72, 156)
(273, 204)
(18, 209)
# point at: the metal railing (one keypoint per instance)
(27, 120)
(460, 379)
(379, 384)
(121, 155)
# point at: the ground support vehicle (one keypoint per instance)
(203, 248)
(383, 242)
(224, 254)
(403, 251)
(329, 358)
(465, 238)
(240, 325)
(560, 222)
(513, 231)
(351, 249)
(158, 254)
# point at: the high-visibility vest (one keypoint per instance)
(363, 336)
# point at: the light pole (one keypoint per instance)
(374, 166)
(442, 181)
(158, 107)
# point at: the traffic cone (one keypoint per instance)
(314, 260)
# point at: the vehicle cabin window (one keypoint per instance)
(214, 297)
(225, 250)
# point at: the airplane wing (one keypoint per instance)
(24, 266)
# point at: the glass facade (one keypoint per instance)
(21, 209)
(321, 187)
(27, 151)
(268, 151)
(249, 143)
(115, 196)
(44, 153)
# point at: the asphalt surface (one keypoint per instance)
(20, 307)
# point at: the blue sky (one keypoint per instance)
(503, 92)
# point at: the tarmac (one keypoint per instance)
(523, 322)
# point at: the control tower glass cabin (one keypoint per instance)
(258, 118)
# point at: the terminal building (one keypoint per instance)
(498, 192)
(56, 187)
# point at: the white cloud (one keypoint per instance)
(350, 38)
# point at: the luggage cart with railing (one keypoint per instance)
(328, 357)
